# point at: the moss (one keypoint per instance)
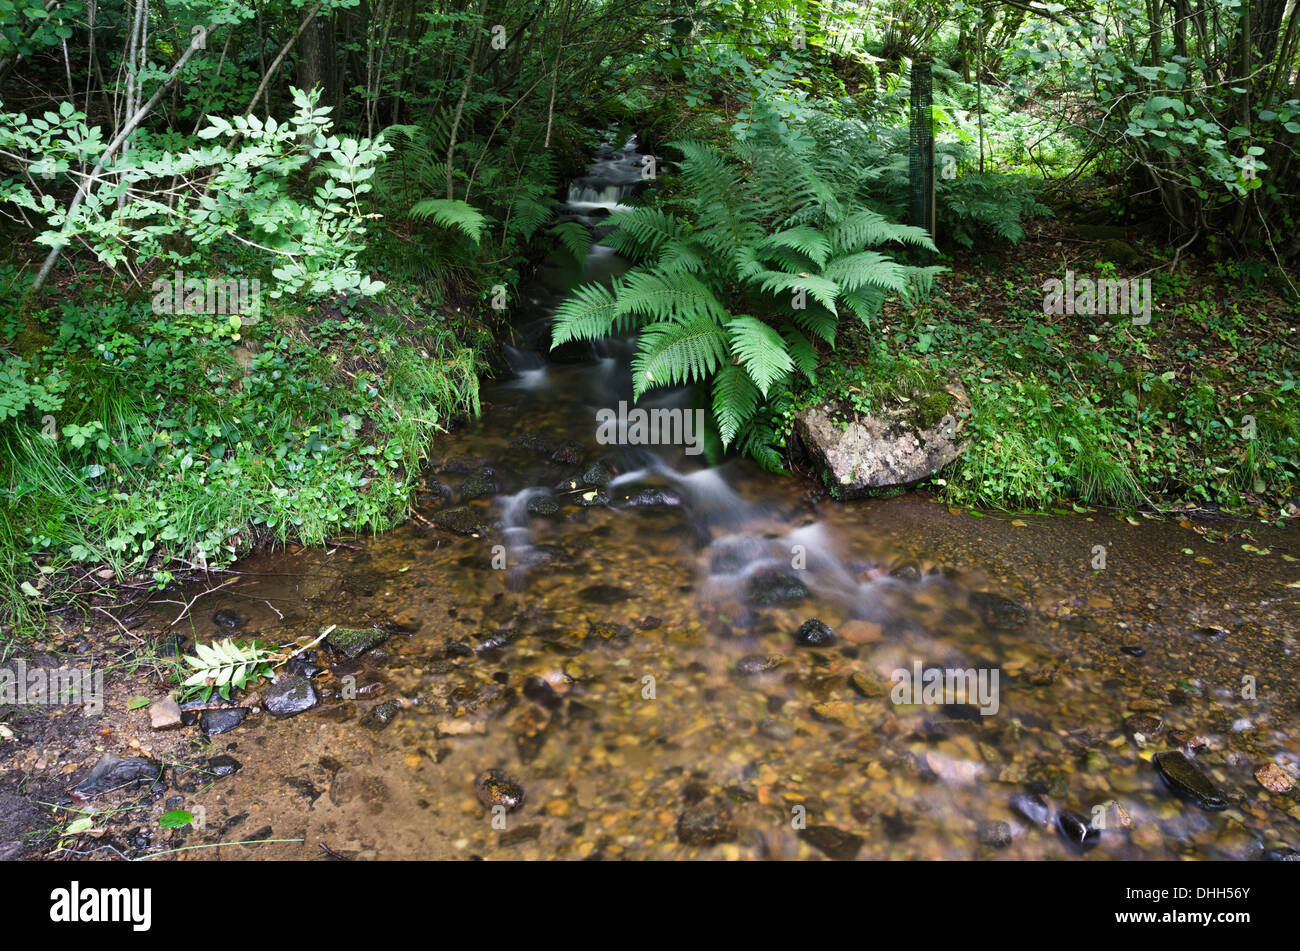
(934, 406)
(352, 641)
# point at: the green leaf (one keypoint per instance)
(176, 819)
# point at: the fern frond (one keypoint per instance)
(677, 351)
(734, 400)
(663, 295)
(819, 288)
(818, 321)
(451, 213)
(805, 239)
(641, 232)
(801, 351)
(575, 237)
(866, 228)
(589, 313)
(761, 350)
(854, 271)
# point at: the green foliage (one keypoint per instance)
(158, 202)
(224, 666)
(783, 246)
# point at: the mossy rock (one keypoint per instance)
(1121, 252)
(351, 642)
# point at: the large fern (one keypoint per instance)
(741, 289)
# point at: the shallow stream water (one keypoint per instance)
(626, 654)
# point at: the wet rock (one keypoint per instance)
(462, 521)
(482, 483)
(833, 711)
(569, 453)
(997, 611)
(1187, 782)
(995, 833)
(352, 642)
(164, 714)
(113, 772)
(776, 730)
(867, 686)
(1284, 854)
(214, 722)
(494, 788)
(1032, 807)
(173, 646)
(596, 497)
(223, 766)
(772, 587)
(906, 572)
(531, 441)
(651, 498)
(835, 843)
(542, 693)
(1274, 778)
(753, 664)
(1076, 830)
(543, 506)
(303, 665)
(227, 618)
(893, 447)
(1211, 634)
(814, 633)
(1144, 725)
(706, 822)
(605, 594)
(380, 715)
(596, 475)
(290, 696)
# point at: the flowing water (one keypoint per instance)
(613, 628)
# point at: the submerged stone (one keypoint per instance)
(1076, 830)
(290, 696)
(351, 642)
(995, 833)
(462, 521)
(494, 788)
(214, 722)
(996, 610)
(814, 633)
(1187, 782)
(707, 822)
(835, 843)
(112, 772)
(380, 715)
(772, 587)
(752, 664)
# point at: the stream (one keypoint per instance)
(611, 643)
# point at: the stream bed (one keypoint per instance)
(612, 644)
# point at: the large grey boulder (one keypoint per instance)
(898, 446)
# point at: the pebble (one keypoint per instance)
(494, 788)
(814, 633)
(1076, 830)
(995, 833)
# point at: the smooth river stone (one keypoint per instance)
(1188, 782)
